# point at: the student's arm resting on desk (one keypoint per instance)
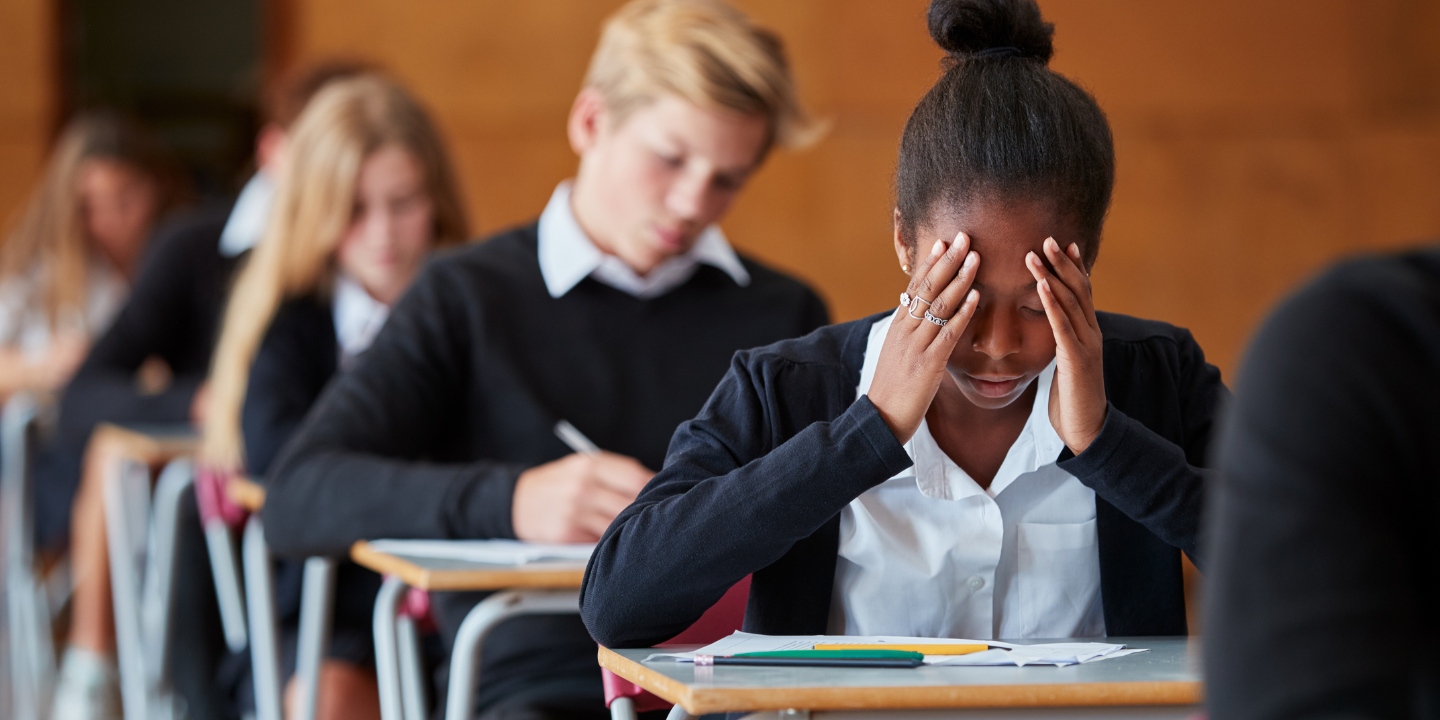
(151, 324)
(355, 470)
(1158, 483)
(734, 496)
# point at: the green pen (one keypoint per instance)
(819, 658)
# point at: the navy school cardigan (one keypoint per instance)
(755, 485)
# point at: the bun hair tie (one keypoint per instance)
(998, 52)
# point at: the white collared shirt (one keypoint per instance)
(24, 325)
(929, 553)
(247, 220)
(358, 318)
(568, 255)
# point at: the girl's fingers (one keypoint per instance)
(1060, 324)
(942, 273)
(950, 334)
(948, 303)
(1061, 300)
(1070, 269)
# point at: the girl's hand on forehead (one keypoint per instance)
(1077, 397)
(935, 309)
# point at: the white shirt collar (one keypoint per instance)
(936, 474)
(358, 317)
(247, 219)
(567, 256)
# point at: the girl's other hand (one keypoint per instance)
(912, 361)
(1077, 397)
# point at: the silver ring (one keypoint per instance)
(911, 304)
(938, 321)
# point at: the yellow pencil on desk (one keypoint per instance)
(925, 648)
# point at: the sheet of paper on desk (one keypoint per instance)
(1009, 653)
(495, 552)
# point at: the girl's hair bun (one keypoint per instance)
(969, 28)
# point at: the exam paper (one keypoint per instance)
(1009, 653)
(495, 552)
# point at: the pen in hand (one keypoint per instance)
(574, 439)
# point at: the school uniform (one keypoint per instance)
(173, 314)
(790, 474)
(309, 341)
(1323, 593)
(459, 394)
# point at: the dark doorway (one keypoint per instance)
(189, 69)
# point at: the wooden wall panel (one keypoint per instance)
(1256, 141)
(27, 102)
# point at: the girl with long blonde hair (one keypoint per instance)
(66, 263)
(367, 193)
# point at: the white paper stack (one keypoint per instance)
(492, 552)
(1001, 653)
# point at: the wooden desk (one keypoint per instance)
(148, 446)
(443, 574)
(1164, 681)
(138, 505)
(549, 588)
(246, 493)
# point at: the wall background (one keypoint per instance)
(1256, 140)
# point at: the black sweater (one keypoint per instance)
(756, 483)
(1323, 593)
(173, 313)
(427, 434)
(294, 363)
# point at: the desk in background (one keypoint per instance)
(548, 588)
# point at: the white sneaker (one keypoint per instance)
(87, 688)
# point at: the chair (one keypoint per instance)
(29, 610)
(625, 698)
(142, 529)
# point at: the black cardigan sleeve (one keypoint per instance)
(152, 323)
(739, 488)
(295, 360)
(1158, 482)
(359, 466)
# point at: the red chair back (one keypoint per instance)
(723, 618)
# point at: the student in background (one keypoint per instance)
(617, 311)
(1323, 589)
(171, 320)
(995, 458)
(65, 268)
(367, 193)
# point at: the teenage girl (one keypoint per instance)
(65, 267)
(367, 193)
(994, 458)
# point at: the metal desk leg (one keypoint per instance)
(127, 499)
(316, 601)
(264, 640)
(678, 713)
(159, 582)
(465, 659)
(30, 653)
(622, 709)
(221, 546)
(412, 681)
(387, 663)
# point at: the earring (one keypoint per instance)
(905, 268)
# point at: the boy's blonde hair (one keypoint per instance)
(346, 121)
(704, 51)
